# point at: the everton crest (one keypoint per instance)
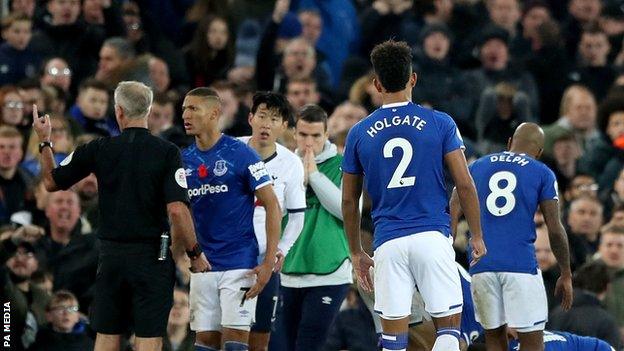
(220, 168)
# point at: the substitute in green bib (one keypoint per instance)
(317, 270)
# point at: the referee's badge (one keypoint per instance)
(220, 168)
(67, 159)
(180, 178)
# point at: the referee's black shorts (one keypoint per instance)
(133, 290)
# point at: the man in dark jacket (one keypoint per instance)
(588, 317)
(64, 34)
(27, 302)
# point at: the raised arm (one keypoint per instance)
(43, 128)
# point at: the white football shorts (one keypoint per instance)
(423, 261)
(516, 299)
(217, 300)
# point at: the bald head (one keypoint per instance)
(529, 139)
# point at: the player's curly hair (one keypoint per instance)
(392, 62)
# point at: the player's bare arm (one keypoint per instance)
(43, 128)
(267, 197)
(467, 194)
(455, 212)
(183, 231)
(559, 243)
(351, 191)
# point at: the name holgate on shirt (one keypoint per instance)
(396, 121)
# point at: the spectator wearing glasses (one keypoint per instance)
(12, 106)
(65, 331)
(56, 72)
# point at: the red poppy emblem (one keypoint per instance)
(202, 171)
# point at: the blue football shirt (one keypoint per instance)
(562, 341)
(510, 187)
(400, 150)
(221, 185)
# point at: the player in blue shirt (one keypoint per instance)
(399, 151)
(507, 286)
(223, 175)
(562, 341)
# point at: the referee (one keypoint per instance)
(141, 183)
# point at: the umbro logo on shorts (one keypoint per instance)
(326, 300)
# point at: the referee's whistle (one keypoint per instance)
(164, 246)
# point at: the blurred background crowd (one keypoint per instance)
(490, 64)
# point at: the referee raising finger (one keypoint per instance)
(142, 184)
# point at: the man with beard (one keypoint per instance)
(27, 302)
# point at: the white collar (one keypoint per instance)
(396, 104)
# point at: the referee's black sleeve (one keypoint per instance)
(76, 166)
(174, 185)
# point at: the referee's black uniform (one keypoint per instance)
(138, 175)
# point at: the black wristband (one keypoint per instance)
(44, 144)
(195, 252)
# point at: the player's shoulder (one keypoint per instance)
(284, 155)
(233, 147)
(244, 139)
(486, 159)
(160, 144)
(189, 150)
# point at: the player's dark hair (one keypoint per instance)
(392, 62)
(203, 92)
(312, 113)
(273, 101)
(593, 277)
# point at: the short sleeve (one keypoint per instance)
(255, 173)
(295, 199)
(452, 138)
(76, 165)
(174, 184)
(351, 162)
(549, 186)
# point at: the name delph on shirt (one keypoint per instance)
(510, 158)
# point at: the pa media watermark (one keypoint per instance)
(6, 325)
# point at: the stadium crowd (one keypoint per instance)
(490, 64)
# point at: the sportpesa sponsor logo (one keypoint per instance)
(208, 189)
